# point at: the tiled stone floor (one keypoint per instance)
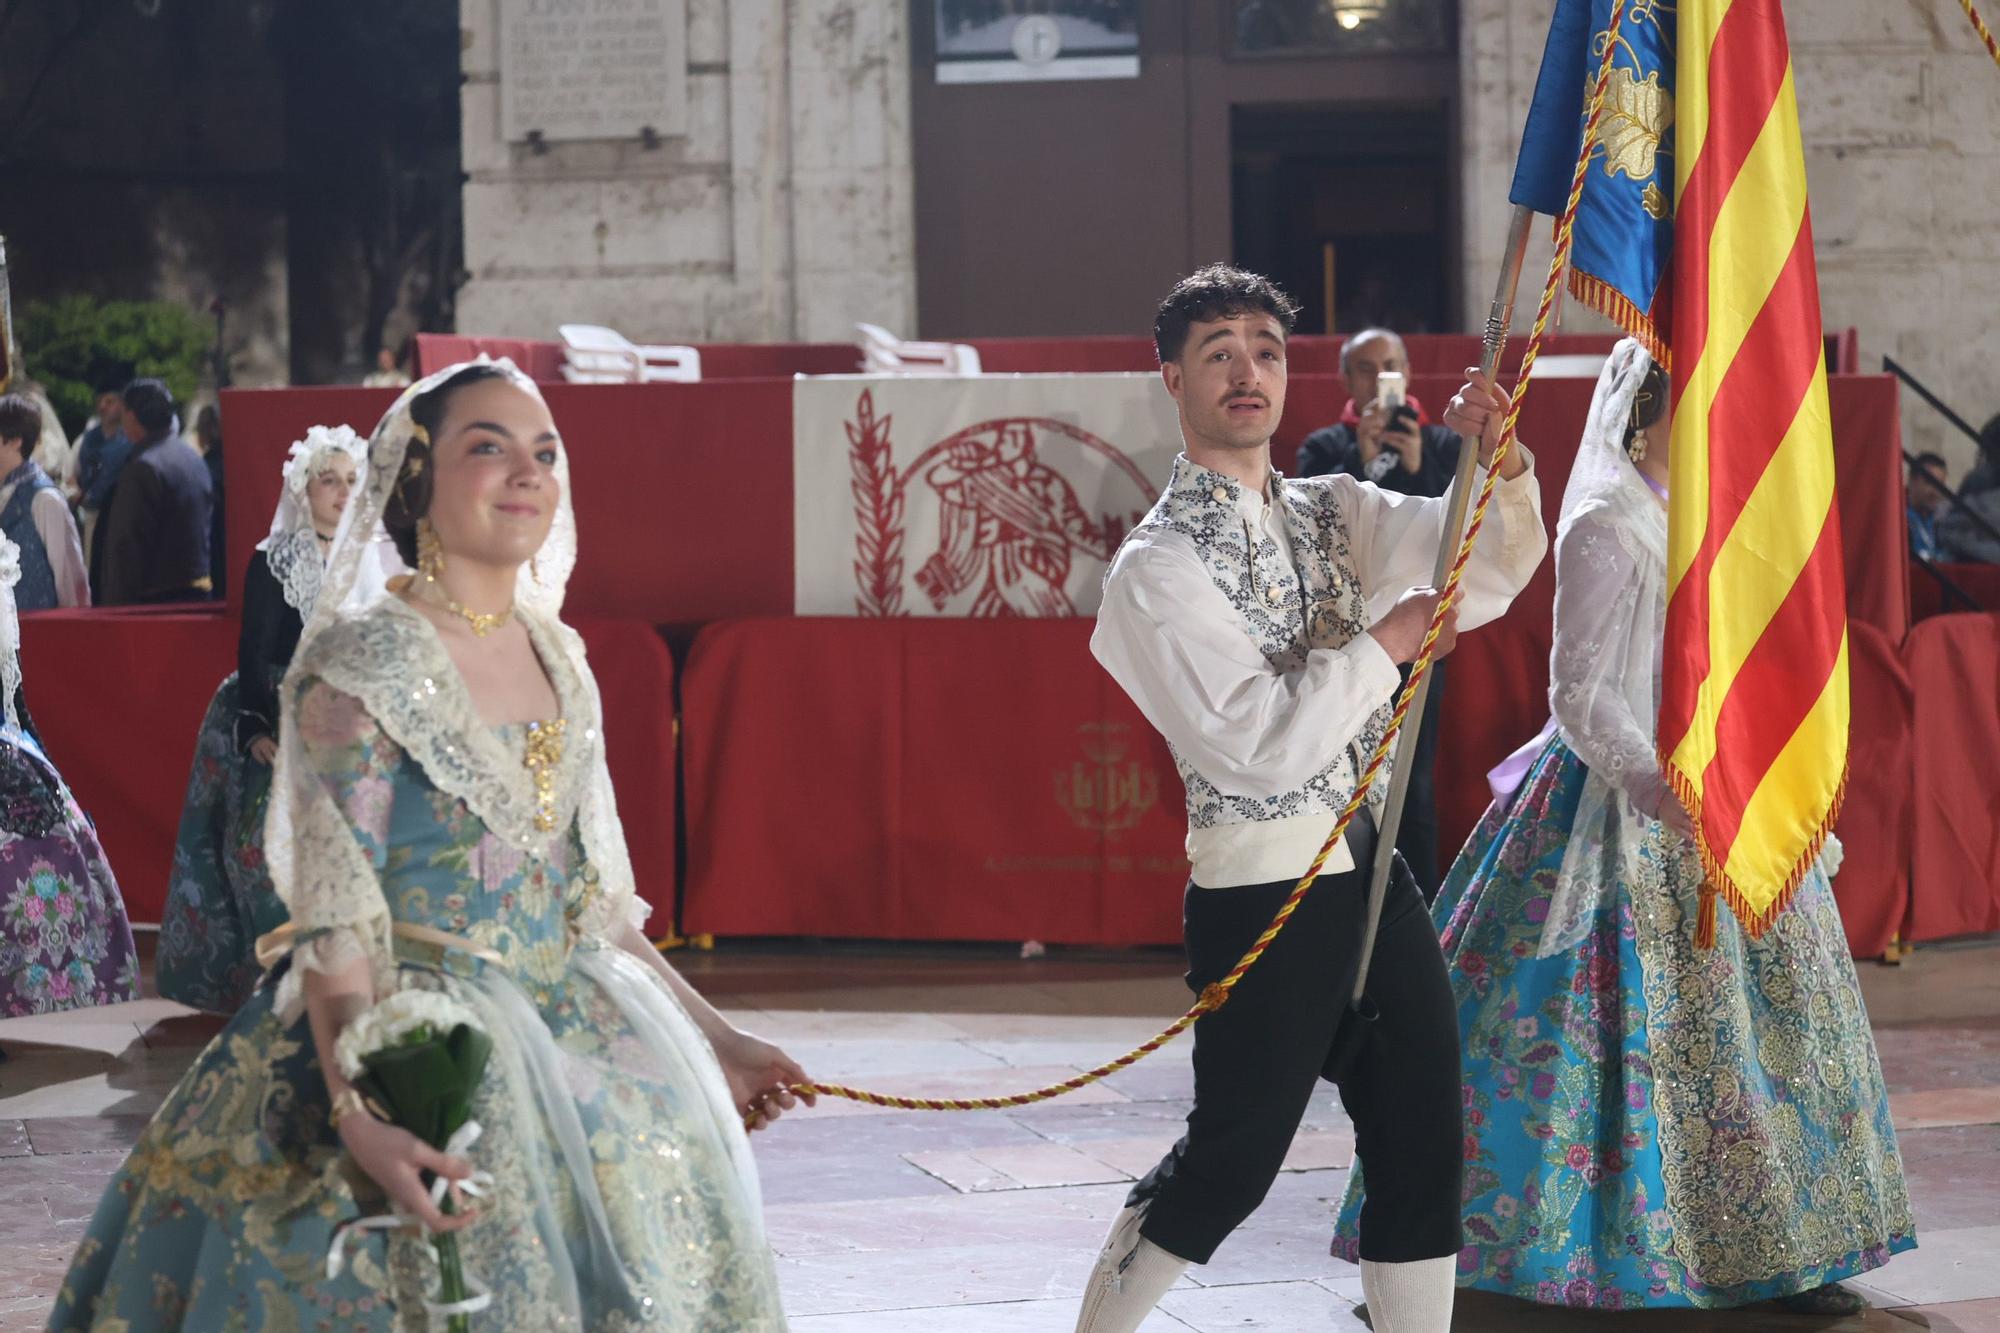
(891, 1222)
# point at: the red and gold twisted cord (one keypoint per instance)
(1215, 995)
(1979, 26)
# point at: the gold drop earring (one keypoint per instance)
(430, 554)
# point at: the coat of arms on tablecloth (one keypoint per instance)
(1104, 791)
(1011, 514)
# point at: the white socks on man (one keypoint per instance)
(1130, 1276)
(1410, 1298)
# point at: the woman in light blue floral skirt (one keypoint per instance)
(442, 818)
(1646, 1122)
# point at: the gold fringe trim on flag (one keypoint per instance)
(1608, 301)
(1718, 882)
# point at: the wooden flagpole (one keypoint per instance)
(1498, 319)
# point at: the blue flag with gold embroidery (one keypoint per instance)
(1624, 222)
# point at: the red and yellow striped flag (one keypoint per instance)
(1753, 714)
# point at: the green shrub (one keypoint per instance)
(75, 343)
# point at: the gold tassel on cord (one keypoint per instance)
(1704, 922)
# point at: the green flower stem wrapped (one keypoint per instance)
(419, 1056)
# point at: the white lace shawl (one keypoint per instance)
(292, 550)
(1604, 667)
(365, 642)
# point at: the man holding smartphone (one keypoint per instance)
(1384, 437)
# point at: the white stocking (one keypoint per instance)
(1130, 1276)
(1410, 1298)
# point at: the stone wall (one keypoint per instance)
(783, 213)
(1900, 109)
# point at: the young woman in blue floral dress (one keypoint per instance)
(1647, 1122)
(441, 817)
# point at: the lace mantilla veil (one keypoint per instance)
(363, 641)
(1604, 668)
(292, 549)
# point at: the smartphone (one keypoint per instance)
(1392, 388)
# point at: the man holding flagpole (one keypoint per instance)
(1258, 623)
(1667, 1105)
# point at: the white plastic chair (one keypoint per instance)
(883, 353)
(593, 354)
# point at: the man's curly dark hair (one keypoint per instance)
(1219, 291)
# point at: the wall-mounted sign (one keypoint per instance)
(995, 41)
(592, 69)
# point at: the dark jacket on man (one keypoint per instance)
(156, 545)
(1334, 448)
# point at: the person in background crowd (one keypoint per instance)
(387, 373)
(207, 441)
(156, 535)
(101, 456)
(1961, 536)
(1985, 474)
(56, 454)
(1399, 449)
(1925, 503)
(34, 516)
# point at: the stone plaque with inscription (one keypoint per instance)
(592, 69)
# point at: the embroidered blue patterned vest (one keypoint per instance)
(37, 589)
(1316, 602)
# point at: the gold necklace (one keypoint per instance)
(483, 623)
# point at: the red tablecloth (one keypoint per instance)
(1954, 669)
(118, 698)
(935, 779)
(1875, 830)
(952, 780)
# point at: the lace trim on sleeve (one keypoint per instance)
(333, 950)
(327, 833)
(1603, 691)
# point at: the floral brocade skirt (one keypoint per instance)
(220, 897)
(65, 942)
(623, 1197)
(1648, 1123)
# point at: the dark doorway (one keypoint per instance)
(1360, 194)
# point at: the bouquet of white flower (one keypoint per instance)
(418, 1056)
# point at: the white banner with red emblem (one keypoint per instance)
(995, 496)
